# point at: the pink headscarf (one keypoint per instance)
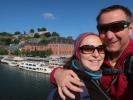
(78, 42)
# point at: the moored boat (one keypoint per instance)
(12, 60)
(35, 66)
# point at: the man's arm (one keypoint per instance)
(52, 79)
(66, 81)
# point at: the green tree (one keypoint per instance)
(32, 31)
(5, 40)
(3, 51)
(17, 33)
(16, 41)
(42, 29)
(16, 52)
(5, 34)
(55, 34)
(24, 32)
(36, 35)
(48, 34)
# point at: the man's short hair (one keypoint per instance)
(126, 10)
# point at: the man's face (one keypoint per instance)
(114, 30)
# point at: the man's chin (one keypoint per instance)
(112, 50)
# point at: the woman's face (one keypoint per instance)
(92, 52)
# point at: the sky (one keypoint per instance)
(67, 17)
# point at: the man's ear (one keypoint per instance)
(131, 29)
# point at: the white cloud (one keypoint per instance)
(48, 16)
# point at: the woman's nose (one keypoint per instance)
(95, 53)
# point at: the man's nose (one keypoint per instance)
(110, 34)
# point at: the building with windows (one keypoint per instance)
(57, 49)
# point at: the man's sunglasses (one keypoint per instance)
(89, 49)
(113, 27)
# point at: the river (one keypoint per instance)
(18, 84)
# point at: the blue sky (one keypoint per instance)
(67, 17)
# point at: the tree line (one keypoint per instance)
(16, 38)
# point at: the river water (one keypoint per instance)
(18, 84)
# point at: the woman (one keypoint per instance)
(86, 62)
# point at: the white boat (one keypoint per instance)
(35, 66)
(42, 66)
(38, 65)
(11, 60)
(1, 57)
(12, 63)
(56, 62)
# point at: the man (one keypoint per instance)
(115, 27)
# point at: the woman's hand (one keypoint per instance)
(67, 81)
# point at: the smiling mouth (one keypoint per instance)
(96, 61)
(111, 43)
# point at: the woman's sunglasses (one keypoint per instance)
(89, 49)
(113, 27)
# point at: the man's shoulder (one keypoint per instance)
(129, 49)
(131, 41)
